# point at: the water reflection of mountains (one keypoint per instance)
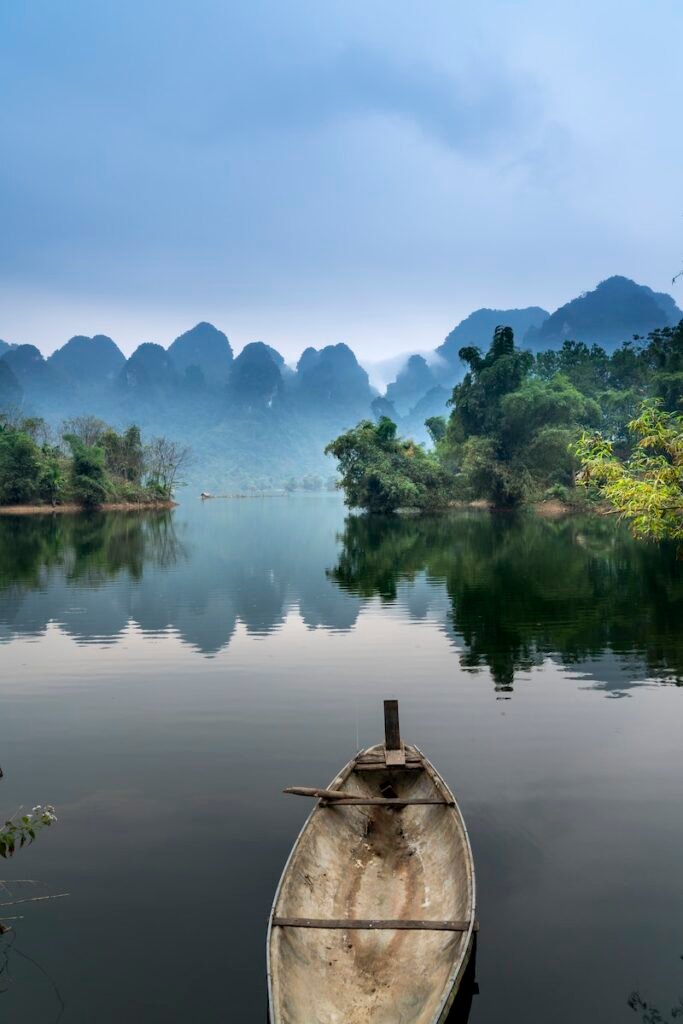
(249, 562)
(508, 591)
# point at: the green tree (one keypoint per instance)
(628, 369)
(51, 482)
(89, 480)
(537, 405)
(33, 469)
(124, 454)
(381, 472)
(478, 397)
(646, 488)
(436, 428)
(663, 356)
(509, 432)
(587, 368)
(20, 467)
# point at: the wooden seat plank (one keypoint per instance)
(355, 924)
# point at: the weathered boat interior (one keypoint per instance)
(372, 921)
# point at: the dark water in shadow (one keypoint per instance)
(163, 677)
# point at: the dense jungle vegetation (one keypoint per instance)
(573, 424)
(87, 463)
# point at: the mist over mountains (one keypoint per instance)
(254, 421)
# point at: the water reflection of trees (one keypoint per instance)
(523, 588)
(509, 591)
(92, 547)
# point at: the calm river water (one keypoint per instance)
(163, 677)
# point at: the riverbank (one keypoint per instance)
(121, 506)
(552, 508)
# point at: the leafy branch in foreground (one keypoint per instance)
(647, 487)
(18, 831)
(22, 829)
(650, 1014)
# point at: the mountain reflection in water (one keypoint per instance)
(508, 591)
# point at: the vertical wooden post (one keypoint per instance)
(392, 732)
(394, 752)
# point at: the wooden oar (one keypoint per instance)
(322, 794)
(339, 799)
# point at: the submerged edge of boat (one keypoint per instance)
(374, 915)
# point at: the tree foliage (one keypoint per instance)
(89, 480)
(663, 357)
(516, 418)
(646, 488)
(28, 471)
(381, 472)
(436, 428)
(508, 435)
(124, 454)
(19, 467)
(92, 465)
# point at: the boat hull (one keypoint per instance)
(372, 865)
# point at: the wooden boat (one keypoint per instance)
(374, 916)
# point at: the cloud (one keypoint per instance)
(466, 111)
(321, 172)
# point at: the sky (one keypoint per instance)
(317, 171)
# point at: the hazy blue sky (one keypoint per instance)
(309, 172)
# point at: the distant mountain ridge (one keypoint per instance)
(477, 328)
(205, 348)
(251, 417)
(332, 378)
(10, 388)
(93, 362)
(612, 313)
